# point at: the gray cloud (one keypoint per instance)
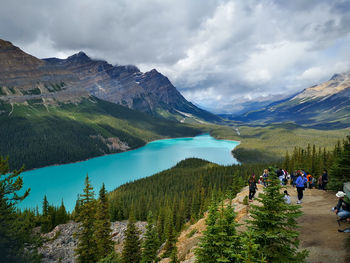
(219, 53)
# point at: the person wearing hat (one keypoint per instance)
(343, 208)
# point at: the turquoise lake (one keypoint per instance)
(66, 181)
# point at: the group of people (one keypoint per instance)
(311, 180)
(302, 180)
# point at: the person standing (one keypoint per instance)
(309, 180)
(265, 176)
(300, 184)
(324, 179)
(252, 187)
(320, 182)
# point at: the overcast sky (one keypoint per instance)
(217, 53)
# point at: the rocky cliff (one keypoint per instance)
(60, 243)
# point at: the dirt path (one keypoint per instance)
(319, 228)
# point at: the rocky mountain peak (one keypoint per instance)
(6, 44)
(13, 59)
(80, 57)
(337, 77)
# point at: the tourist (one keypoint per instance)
(343, 208)
(324, 179)
(293, 177)
(286, 197)
(320, 182)
(252, 187)
(265, 176)
(300, 183)
(281, 178)
(261, 180)
(309, 180)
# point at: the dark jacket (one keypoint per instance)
(325, 177)
(343, 204)
(252, 184)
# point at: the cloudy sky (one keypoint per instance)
(218, 53)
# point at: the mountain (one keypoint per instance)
(57, 111)
(326, 105)
(24, 77)
(37, 134)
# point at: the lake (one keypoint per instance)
(66, 181)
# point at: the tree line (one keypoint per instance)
(314, 160)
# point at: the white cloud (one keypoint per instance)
(217, 52)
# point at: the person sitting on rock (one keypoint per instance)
(343, 208)
(286, 197)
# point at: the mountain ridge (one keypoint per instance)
(24, 77)
(326, 105)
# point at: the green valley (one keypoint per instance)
(269, 143)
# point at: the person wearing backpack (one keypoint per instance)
(309, 180)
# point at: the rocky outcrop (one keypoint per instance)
(189, 238)
(60, 243)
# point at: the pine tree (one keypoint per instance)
(151, 242)
(250, 251)
(62, 215)
(173, 256)
(170, 243)
(132, 247)
(87, 248)
(12, 239)
(274, 225)
(103, 226)
(340, 170)
(220, 242)
(46, 225)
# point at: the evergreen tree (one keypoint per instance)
(87, 247)
(12, 239)
(103, 226)
(274, 225)
(170, 243)
(250, 252)
(220, 242)
(340, 170)
(151, 242)
(132, 247)
(173, 256)
(62, 215)
(111, 258)
(45, 219)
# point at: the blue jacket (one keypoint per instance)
(300, 181)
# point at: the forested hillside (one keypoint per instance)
(180, 194)
(37, 135)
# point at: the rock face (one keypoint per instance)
(24, 77)
(60, 243)
(322, 106)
